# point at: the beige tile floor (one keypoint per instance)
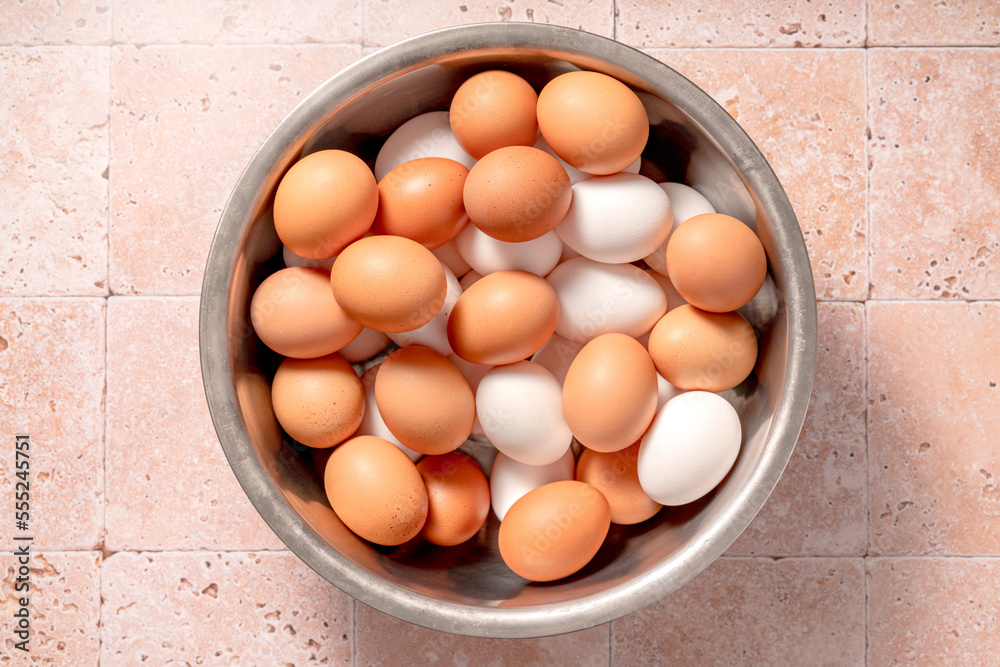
(123, 125)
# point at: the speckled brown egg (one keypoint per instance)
(458, 496)
(424, 400)
(609, 394)
(554, 530)
(517, 193)
(294, 313)
(389, 283)
(376, 490)
(592, 121)
(694, 349)
(715, 262)
(325, 201)
(503, 318)
(319, 402)
(491, 110)
(422, 200)
(616, 475)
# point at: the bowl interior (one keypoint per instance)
(468, 589)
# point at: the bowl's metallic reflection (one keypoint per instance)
(468, 589)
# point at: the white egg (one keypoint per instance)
(686, 202)
(618, 218)
(596, 298)
(448, 255)
(426, 135)
(520, 408)
(688, 449)
(487, 255)
(665, 391)
(674, 298)
(365, 345)
(557, 355)
(371, 422)
(510, 479)
(469, 279)
(291, 259)
(474, 374)
(434, 334)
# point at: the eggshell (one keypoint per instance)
(366, 345)
(319, 402)
(324, 201)
(376, 491)
(616, 476)
(557, 355)
(716, 262)
(469, 279)
(425, 401)
(520, 408)
(434, 334)
(448, 255)
(510, 479)
(458, 498)
(690, 446)
(665, 391)
(294, 313)
(575, 175)
(491, 110)
(596, 298)
(422, 200)
(639, 208)
(593, 121)
(673, 298)
(487, 255)
(291, 259)
(389, 283)
(517, 193)
(426, 135)
(474, 374)
(554, 530)
(609, 395)
(685, 202)
(505, 317)
(372, 422)
(695, 349)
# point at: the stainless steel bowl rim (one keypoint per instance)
(632, 594)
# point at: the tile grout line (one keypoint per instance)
(867, 348)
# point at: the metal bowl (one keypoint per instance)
(468, 589)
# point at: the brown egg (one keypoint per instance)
(458, 496)
(422, 200)
(517, 193)
(694, 349)
(609, 394)
(319, 402)
(616, 475)
(389, 283)
(325, 201)
(491, 110)
(294, 313)
(376, 490)
(592, 121)
(716, 262)
(553, 531)
(424, 400)
(503, 318)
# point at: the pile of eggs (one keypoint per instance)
(504, 273)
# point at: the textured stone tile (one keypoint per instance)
(52, 388)
(934, 371)
(934, 175)
(169, 484)
(715, 23)
(740, 611)
(224, 22)
(819, 504)
(384, 640)
(55, 22)
(809, 123)
(388, 21)
(221, 608)
(926, 22)
(53, 184)
(933, 611)
(64, 609)
(185, 121)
